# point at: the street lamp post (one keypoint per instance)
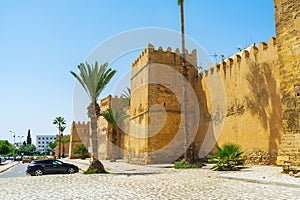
(20, 136)
(14, 144)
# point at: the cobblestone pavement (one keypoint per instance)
(142, 183)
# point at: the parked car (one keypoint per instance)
(18, 158)
(2, 159)
(40, 167)
(26, 159)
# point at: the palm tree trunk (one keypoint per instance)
(59, 144)
(94, 138)
(187, 155)
(63, 150)
(96, 164)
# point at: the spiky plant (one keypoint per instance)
(93, 79)
(227, 157)
(82, 150)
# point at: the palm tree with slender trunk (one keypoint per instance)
(93, 79)
(114, 117)
(60, 122)
(187, 156)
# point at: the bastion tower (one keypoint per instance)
(287, 18)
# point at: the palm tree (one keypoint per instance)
(63, 141)
(82, 150)
(187, 156)
(115, 118)
(60, 122)
(94, 79)
(52, 146)
(127, 95)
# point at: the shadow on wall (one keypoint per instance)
(205, 139)
(265, 102)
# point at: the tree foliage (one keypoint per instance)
(82, 150)
(5, 147)
(28, 149)
(127, 95)
(94, 79)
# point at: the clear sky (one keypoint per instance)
(41, 41)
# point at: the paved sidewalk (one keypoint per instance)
(121, 167)
(256, 174)
(127, 181)
(7, 165)
(263, 174)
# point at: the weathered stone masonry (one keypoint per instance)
(287, 16)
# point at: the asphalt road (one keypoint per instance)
(17, 171)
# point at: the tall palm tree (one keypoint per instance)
(93, 79)
(60, 122)
(187, 156)
(114, 117)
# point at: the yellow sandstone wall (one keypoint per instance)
(287, 17)
(79, 135)
(155, 110)
(105, 129)
(238, 100)
(243, 103)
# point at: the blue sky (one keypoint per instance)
(41, 41)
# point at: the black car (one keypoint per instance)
(40, 167)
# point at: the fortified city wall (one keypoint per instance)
(287, 18)
(242, 104)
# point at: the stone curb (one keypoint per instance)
(260, 181)
(7, 168)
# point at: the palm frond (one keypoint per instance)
(115, 117)
(94, 78)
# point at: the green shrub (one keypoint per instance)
(82, 150)
(227, 158)
(182, 165)
(95, 171)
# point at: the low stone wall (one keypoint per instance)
(259, 157)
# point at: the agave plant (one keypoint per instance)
(227, 157)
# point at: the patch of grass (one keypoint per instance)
(182, 165)
(95, 171)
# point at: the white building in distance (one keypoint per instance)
(42, 142)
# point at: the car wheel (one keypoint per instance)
(71, 170)
(38, 172)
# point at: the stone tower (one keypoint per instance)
(79, 135)
(155, 109)
(287, 18)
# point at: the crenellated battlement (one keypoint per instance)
(264, 52)
(80, 124)
(168, 56)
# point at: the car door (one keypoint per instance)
(58, 166)
(47, 166)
